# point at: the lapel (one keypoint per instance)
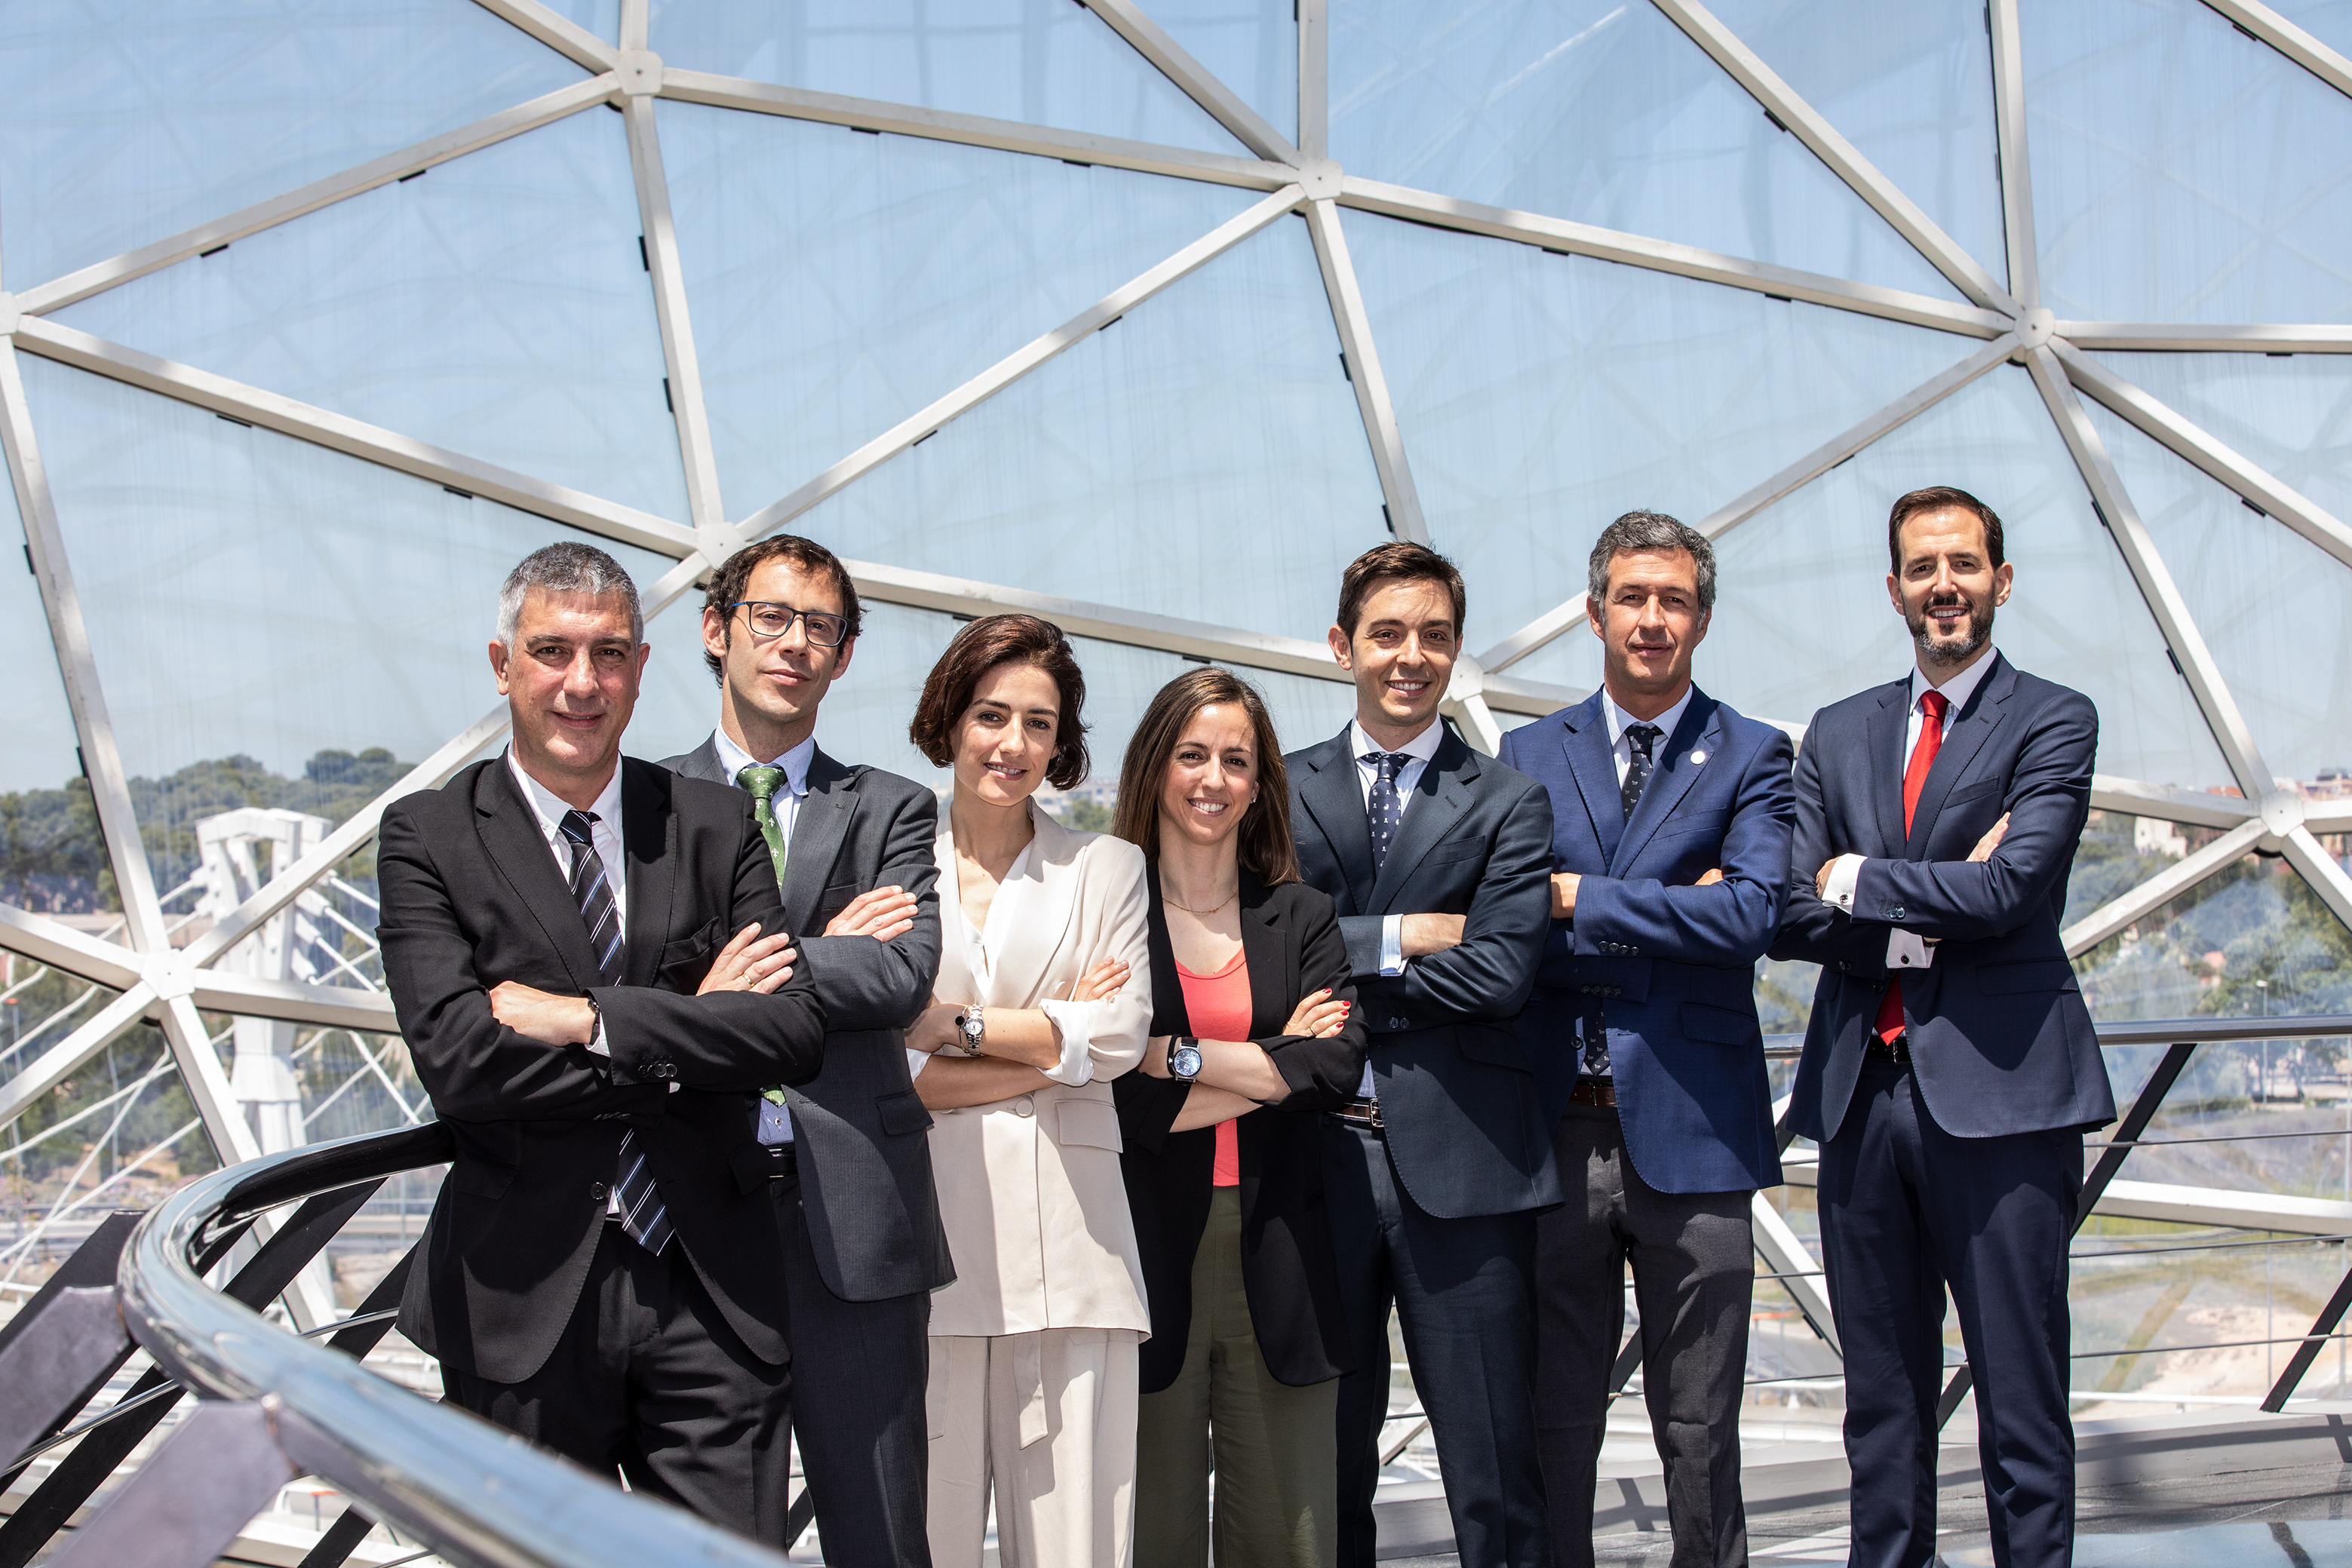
(1329, 791)
(955, 981)
(1439, 797)
(703, 763)
(1886, 760)
(1169, 1014)
(1274, 988)
(1963, 737)
(510, 836)
(1671, 778)
(649, 845)
(1592, 762)
(818, 830)
(1032, 915)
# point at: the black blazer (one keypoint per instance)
(2001, 1041)
(472, 896)
(1465, 1125)
(858, 1128)
(1291, 942)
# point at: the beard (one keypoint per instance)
(1960, 645)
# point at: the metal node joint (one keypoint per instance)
(170, 975)
(2281, 812)
(1320, 178)
(640, 71)
(2035, 328)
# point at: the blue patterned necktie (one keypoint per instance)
(1385, 806)
(1638, 737)
(643, 1214)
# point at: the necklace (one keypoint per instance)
(1188, 909)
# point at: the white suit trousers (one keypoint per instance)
(1046, 1421)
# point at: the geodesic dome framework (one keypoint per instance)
(1147, 318)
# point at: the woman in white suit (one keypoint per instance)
(1043, 997)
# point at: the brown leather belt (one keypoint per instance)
(1592, 1091)
(1897, 1050)
(1361, 1113)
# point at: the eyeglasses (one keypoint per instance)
(772, 621)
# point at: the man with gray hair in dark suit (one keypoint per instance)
(844, 1156)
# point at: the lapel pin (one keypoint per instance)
(1698, 758)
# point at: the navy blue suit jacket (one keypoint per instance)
(1456, 1095)
(1667, 969)
(2000, 1040)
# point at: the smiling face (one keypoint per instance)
(1948, 589)
(1401, 656)
(1212, 778)
(1004, 741)
(571, 682)
(1649, 624)
(772, 687)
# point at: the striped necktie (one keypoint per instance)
(643, 1214)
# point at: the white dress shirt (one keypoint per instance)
(1420, 749)
(775, 1121)
(1619, 721)
(1907, 949)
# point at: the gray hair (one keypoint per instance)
(1650, 531)
(567, 567)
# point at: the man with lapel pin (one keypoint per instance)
(844, 1156)
(1439, 863)
(1672, 818)
(556, 939)
(1950, 1066)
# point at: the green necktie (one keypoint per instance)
(760, 783)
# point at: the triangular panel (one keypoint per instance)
(39, 754)
(123, 124)
(497, 306)
(1802, 615)
(2292, 414)
(255, 602)
(1252, 49)
(2270, 604)
(1201, 458)
(1541, 395)
(601, 18)
(2249, 941)
(1052, 65)
(121, 1133)
(2183, 172)
(1601, 112)
(841, 281)
(1909, 86)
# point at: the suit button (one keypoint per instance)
(1843, 969)
(1897, 913)
(1024, 1106)
(598, 1191)
(1396, 1023)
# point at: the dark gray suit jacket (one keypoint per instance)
(1465, 1126)
(865, 1158)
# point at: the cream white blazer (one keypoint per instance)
(1030, 1191)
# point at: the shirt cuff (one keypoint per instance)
(916, 1062)
(1908, 950)
(1392, 945)
(1075, 1021)
(1838, 891)
(597, 1047)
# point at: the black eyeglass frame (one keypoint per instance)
(807, 617)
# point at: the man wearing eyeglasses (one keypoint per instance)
(844, 1156)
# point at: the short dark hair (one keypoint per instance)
(733, 578)
(1401, 561)
(1265, 843)
(1649, 531)
(981, 647)
(1934, 498)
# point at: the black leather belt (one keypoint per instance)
(783, 1160)
(1592, 1091)
(1363, 1113)
(1897, 1050)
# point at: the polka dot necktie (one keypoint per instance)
(643, 1214)
(1385, 805)
(761, 784)
(1637, 772)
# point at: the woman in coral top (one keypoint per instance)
(1250, 1036)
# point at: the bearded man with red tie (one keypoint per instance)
(1950, 1068)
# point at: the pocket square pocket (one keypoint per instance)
(1092, 1122)
(689, 949)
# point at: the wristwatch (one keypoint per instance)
(1184, 1059)
(971, 1029)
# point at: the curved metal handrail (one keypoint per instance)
(476, 1494)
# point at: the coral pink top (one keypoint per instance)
(1218, 1005)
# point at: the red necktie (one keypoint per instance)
(1889, 1023)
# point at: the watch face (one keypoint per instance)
(1186, 1061)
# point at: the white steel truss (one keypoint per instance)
(1997, 321)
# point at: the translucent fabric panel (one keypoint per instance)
(1599, 111)
(2250, 942)
(1038, 61)
(2269, 602)
(33, 713)
(841, 281)
(2290, 413)
(255, 602)
(601, 18)
(121, 123)
(1540, 395)
(497, 306)
(1249, 46)
(2182, 171)
(1910, 86)
(1201, 458)
(1802, 617)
